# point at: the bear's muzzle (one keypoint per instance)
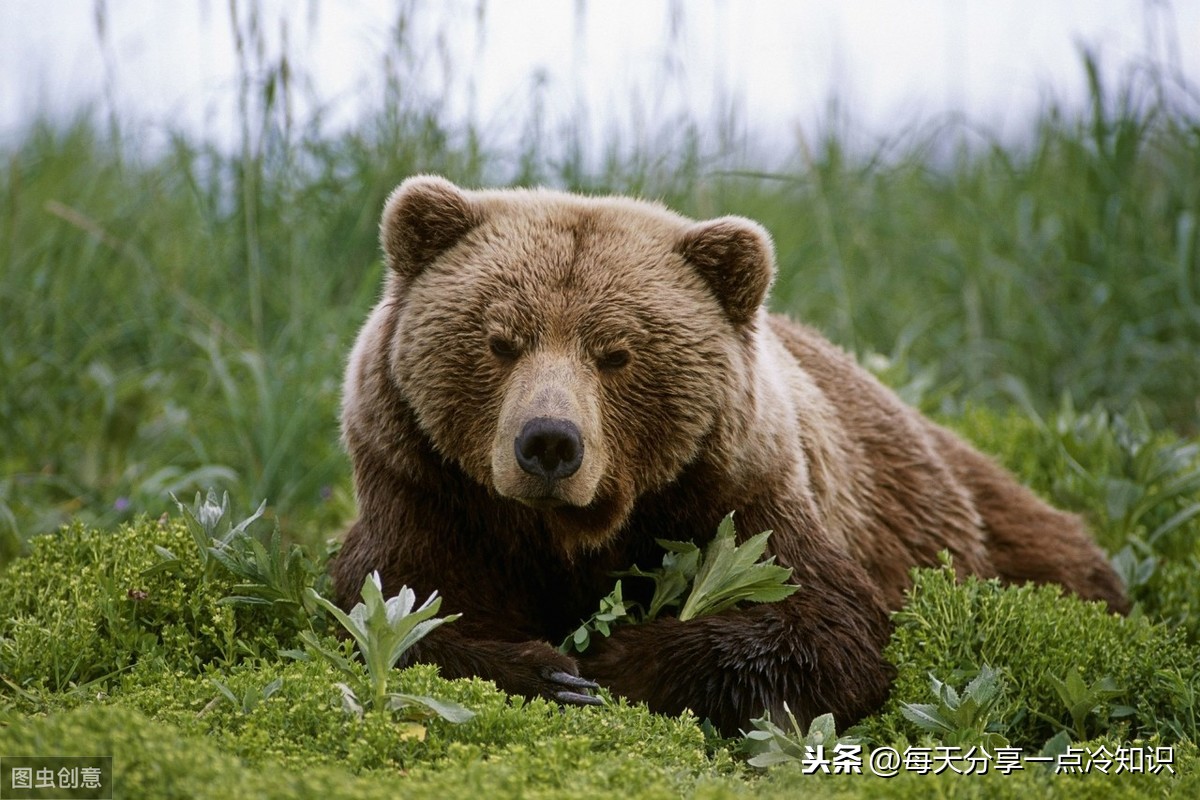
(547, 452)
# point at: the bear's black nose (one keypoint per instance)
(549, 448)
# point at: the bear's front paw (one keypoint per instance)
(535, 669)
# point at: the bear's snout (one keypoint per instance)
(549, 448)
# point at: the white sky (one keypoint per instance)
(171, 63)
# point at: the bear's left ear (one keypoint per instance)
(736, 258)
(425, 216)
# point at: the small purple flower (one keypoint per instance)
(326, 493)
(121, 505)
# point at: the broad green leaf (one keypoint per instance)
(822, 729)
(769, 744)
(414, 628)
(224, 690)
(985, 687)
(447, 710)
(721, 576)
(243, 600)
(1056, 745)
(352, 626)
(926, 717)
(350, 702)
(730, 574)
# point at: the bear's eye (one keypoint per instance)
(503, 348)
(613, 360)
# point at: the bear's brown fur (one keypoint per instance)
(551, 382)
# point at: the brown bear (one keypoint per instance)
(551, 382)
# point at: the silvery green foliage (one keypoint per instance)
(962, 719)
(383, 630)
(267, 572)
(204, 520)
(769, 744)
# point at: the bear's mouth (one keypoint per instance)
(542, 502)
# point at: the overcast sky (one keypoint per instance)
(169, 63)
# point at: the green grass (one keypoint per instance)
(178, 318)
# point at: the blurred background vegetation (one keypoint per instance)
(177, 317)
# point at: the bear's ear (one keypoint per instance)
(425, 216)
(736, 258)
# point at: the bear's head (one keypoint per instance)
(569, 353)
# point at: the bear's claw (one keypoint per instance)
(574, 681)
(575, 698)
(582, 697)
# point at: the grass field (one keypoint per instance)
(178, 319)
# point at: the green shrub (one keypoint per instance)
(88, 604)
(151, 759)
(1033, 635)
(1139, 489)
(1131, 481)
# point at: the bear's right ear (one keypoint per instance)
(425, 216)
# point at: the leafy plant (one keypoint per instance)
(952, 628)
(250, 698)
(211, 526)
(719, 577)
(768, 744)
(1136, 486)
(680, 565)
(1083, 700)
(267, 575)
(87, 604)
(729, 574)
(384, 630)
(1183, 686)
(1134, 572)
(284, 582)
(613, 611)
(964, 719)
